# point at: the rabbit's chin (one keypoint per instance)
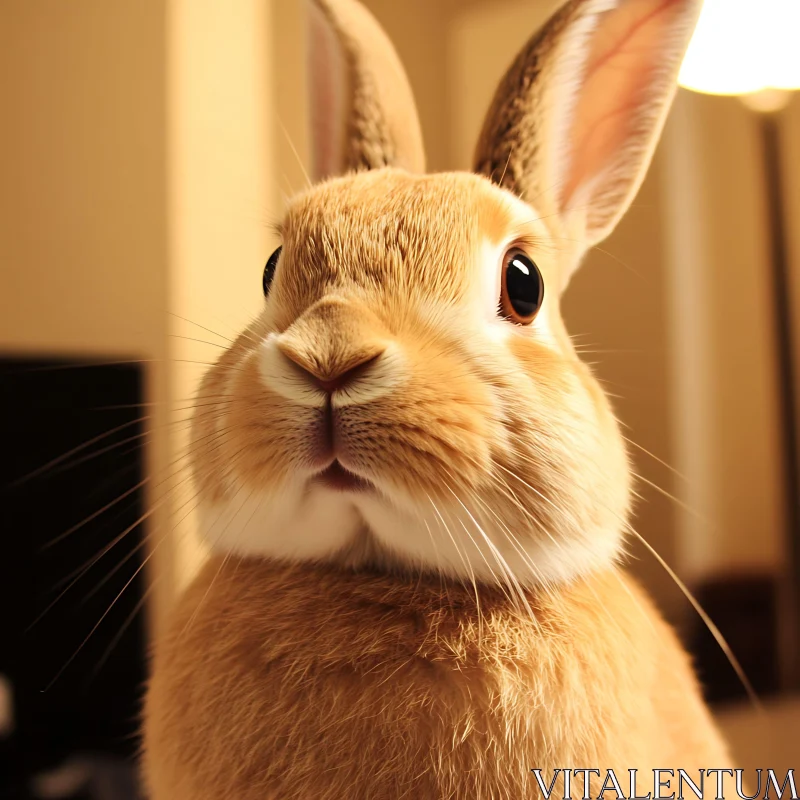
(365, 528)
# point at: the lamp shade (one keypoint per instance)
(743, 47)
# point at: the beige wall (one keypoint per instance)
(418, 29)
(482, 40)
(83, 236)
(82, 159)
(723, 340)
(222, 189)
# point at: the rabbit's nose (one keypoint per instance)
(340, 375)
(336, 348)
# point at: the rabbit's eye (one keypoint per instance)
(522, 288)
(269, 271)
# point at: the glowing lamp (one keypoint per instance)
(749, 48)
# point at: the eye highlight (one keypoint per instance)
(269, 271)
(521, 288)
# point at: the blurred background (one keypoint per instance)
(146, 147)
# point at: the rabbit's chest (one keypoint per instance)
(390, 695)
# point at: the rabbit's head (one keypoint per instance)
(409, 397)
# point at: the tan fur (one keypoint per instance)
(314, 683)
(464, 620)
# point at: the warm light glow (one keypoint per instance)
(744, 46)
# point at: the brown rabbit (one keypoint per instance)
(416, 493)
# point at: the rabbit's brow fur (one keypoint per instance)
(464, 619)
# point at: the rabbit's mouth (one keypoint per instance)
(336, 477)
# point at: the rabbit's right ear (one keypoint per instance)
(362, 111)
(576, 118)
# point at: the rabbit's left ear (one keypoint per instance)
(577, 116)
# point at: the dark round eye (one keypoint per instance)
(269, 270)
(521, 289)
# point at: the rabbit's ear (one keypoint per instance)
(575, 120)
(362, 111)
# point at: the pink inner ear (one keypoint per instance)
(327, 78)
(624, 52)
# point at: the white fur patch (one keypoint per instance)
(317, 523)
(295, 522)
(451, 539)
